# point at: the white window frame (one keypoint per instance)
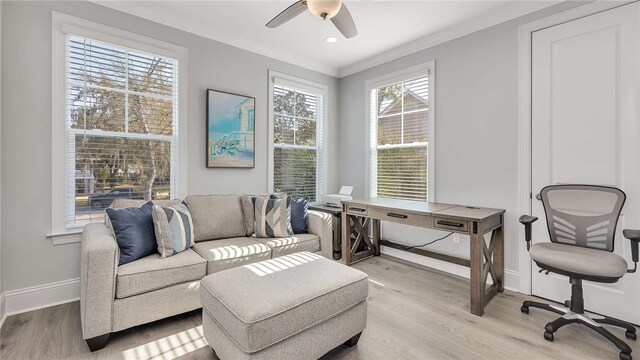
(425, 69)
(65, 24)
(306, 85)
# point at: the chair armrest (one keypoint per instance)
(630, 234)
(527, 220)
(634, 237)
(98, 266)
(320, 224)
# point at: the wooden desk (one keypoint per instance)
(485, 260)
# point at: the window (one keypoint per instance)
(297, 149)
(117, 126)
(121, 126)
(401, 137)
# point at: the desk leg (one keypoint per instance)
(346, 239)
(337, 237)
(477, 271)
(498, 256)
(375, 224)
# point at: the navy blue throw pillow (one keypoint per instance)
(134, 232)
(299, 209)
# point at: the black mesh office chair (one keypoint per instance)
(582, 221)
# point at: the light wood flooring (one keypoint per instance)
(414, 313)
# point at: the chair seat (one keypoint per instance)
(154, 272)
(579, 260)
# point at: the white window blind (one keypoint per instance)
(121, 127)
(298, 141)
(399, 140)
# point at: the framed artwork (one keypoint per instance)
(230, 130)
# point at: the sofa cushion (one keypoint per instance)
(248, 208)
(249, 213)
(300, 215)
(127, 203)
(154, 272)
(174, 229)
(228, 253)
(133, 229)
(273, 216)
(216, 216)
(292, 244)
(261, 304)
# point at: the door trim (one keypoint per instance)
(524, 117)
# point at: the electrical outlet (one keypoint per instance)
(456, 238)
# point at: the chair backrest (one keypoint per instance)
(583, 215)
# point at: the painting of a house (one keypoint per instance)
(230, 130)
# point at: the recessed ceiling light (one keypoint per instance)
(331, 39)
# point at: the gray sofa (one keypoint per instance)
(114, 298)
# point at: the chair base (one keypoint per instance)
(592, 321)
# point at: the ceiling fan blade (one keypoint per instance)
(344, 22)
(289, 13)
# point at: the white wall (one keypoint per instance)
(476, 133)
(30, 259)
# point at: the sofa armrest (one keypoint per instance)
(319, 223)
(98, 266)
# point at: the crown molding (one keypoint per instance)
(515, 10)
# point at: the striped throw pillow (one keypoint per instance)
(174, 229)
(273, 216)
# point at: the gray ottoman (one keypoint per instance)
(298, 306)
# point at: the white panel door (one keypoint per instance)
(585, 76)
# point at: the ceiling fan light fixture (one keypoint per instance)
(324, 9)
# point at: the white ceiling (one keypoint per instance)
(387, 29)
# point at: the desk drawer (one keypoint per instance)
(401, 217)
(451, 225)
(359, 210)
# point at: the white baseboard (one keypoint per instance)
(3, 313)
(41, 296)
(511, 281)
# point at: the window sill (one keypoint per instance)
(63, 238)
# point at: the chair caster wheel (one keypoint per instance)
(549, 337)
(524, 309)
(567, 303)
(630, 335)
(625, 356)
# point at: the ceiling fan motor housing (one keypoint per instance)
(324, 9)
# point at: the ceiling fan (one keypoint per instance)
(323, 9)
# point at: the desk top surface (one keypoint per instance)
(325, 208)
(429, 208)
